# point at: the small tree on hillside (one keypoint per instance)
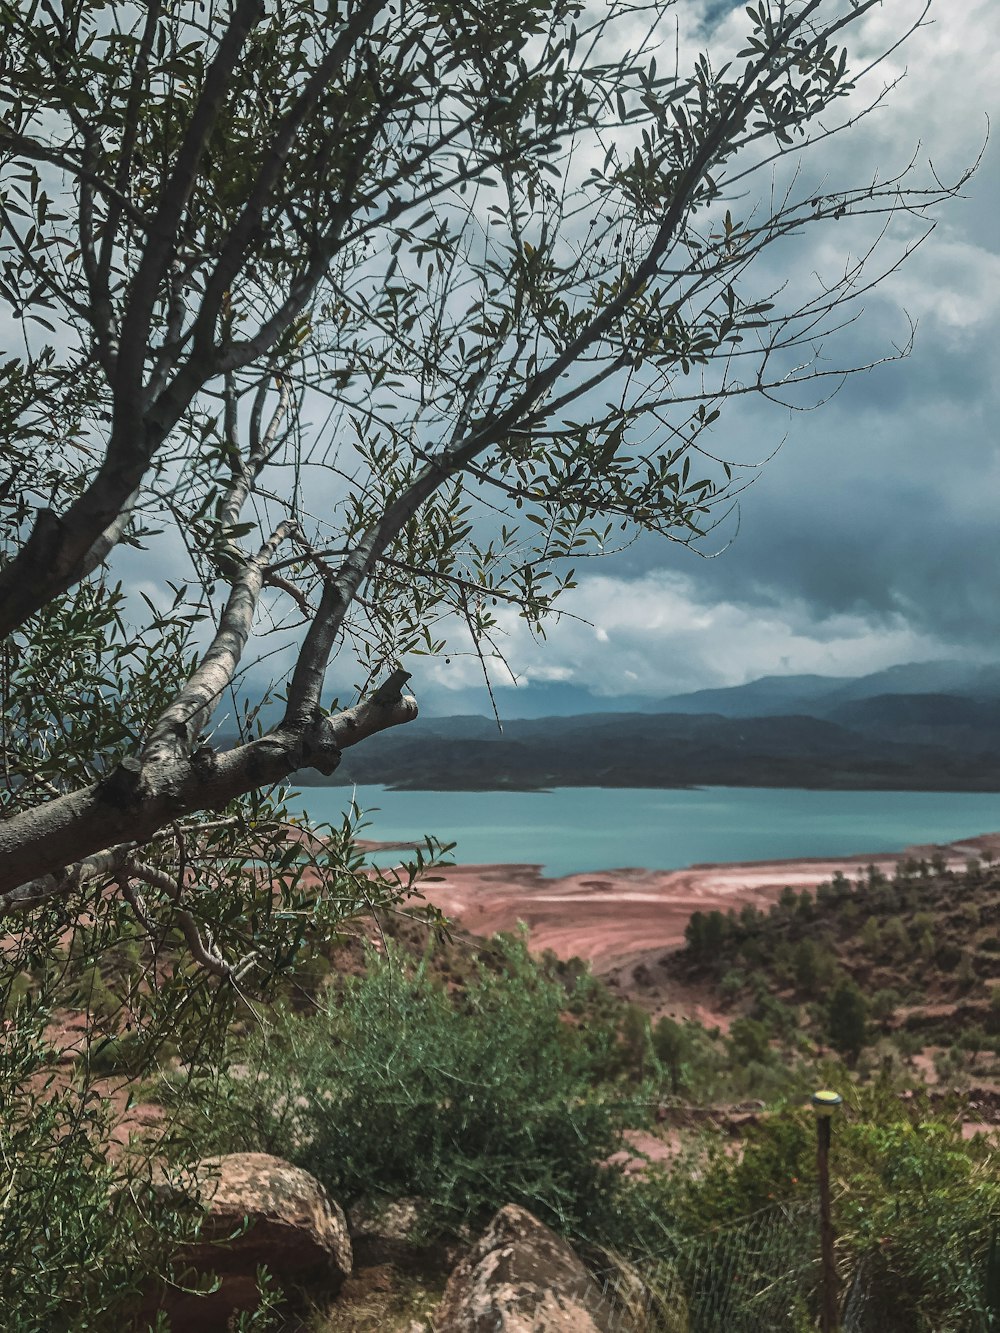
(846, 1020)
(671, 1045)
(383, 314)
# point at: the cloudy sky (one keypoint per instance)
(873, 536)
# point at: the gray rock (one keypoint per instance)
(397, 1232)
(520, 1277)
(259, 1209)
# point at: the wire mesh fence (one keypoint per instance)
(762, 1274)
(757, 1274)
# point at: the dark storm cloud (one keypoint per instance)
(714, 11)
(873, 536)
(881, 503)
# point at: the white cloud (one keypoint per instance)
(956, 286)
(654, 635)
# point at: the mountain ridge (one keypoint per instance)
(918, 726)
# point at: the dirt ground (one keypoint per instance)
(623, 922)
(619, 917)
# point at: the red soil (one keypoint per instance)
(617, 917)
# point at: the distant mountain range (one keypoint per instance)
(923, 726)
(822, 696)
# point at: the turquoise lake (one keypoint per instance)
(598, 828)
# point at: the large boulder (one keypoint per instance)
(258, 1209)
(520, 1277)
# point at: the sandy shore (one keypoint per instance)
(611, 916)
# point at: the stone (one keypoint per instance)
(520, 1277)
(397, 1232)
(386, 1219)
(259, 1210)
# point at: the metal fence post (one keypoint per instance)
(824, 1103)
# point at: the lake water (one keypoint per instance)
(602, 828)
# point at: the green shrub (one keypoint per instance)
(470, 1101)
(846, 1019)
(884, 1004)
(749, 1042)
(928, 1206)
(732, 983)
(948, 955)
(871, 937)
(706, 933)
(671, 1045)
(81, 1231)
(636, 1037)
(916, 1213)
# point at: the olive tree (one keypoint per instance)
(383, 314)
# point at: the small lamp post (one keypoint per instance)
(824, 1103)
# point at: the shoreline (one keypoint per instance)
(611, 918)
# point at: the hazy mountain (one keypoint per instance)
(821, 696)
(765, 697)
(971, 680)
(952, 720)
(768, 696)
(673, 750)
(919, 726)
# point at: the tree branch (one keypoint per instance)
(201, 952)
(173, 200)
(139, 799)
(261, 443)
(233, 250)
(179, 725)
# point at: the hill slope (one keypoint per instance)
(947, 744)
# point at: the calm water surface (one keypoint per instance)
(596, 828)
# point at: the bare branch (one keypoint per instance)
(99, 865)
(246, 472)
(173, 200)
(138, 800)
(202, 953)
(130, 129)
(180, 723)
(233, 252)
(101, 315)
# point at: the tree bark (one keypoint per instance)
(137, 799)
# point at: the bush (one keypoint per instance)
(916, 1212)
(670, 1046)
(731, 984)
(470, 1101)
(885, 1002)
(705, 935)
(80, 1232)
(749, 1042)
(846, 1019)
(928, 1206)
(814, 966)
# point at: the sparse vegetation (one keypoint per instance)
(472, 1097)
(908, 958)
(477, 1077)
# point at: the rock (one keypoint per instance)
(520, 1277)
(380, 1219)
(291, 1225)
(396, 1232)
